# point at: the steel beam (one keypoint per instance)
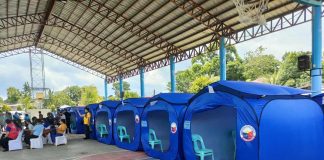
(121, 87)
(74, 64)
(291, 19)
(134, 28)
(9, 22)
(222, 59)
(200, 14)
(172, 74)
(59, 43)
(18, 39)
(49, 9)
(56, 21)
(193, 52)
(316, 71)
(310, 2)
(13, 52)
(142, 81)
(106, 88)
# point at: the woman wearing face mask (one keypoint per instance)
(86, 122)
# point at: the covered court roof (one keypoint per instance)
(112, 37)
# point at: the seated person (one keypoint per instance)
(11, 134)
(26, 118)
(28, 128)
(38, 128)
(49, 125)
(34, 119)
(59, 131)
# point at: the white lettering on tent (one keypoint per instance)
(186, 125)
(211, 89)
(109, 121)
(144, 124)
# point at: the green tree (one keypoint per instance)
(206, 65)
(26, 102)
(25, 98)
(258, 64)
(48, 103)
(126, 87)
(235, 70)
(90, 95)
(183, 79)
(131, 94)
(289, 75)
(200, 82)
(60, 98)
(26, 92)
(20, 108)
(6, 108)
(74, 92)
(1, 100)
(13, 95)
(112, 98)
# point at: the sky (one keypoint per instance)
(14, 70)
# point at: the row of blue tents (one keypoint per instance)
(225, 120)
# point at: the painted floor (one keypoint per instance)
(76, 149)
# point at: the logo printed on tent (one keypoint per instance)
(173, 127)
(115, 120)
(137, 119)
(247, 133)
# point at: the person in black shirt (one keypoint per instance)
(40, 116)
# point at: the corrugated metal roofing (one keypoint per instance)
(118, 36)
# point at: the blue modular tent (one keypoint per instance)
(93, 110)
(104, 116)
(242, 120)
(163, 116)
(76, 120)
(127, 116)
(319, 99)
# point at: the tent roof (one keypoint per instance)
(137, 102)
(245, 89)
(109, 103)
(173, 98)
(112, 37)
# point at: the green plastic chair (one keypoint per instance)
(153, 140)
(201, 152)
(102, 130)
(122, 133)
(234, 140)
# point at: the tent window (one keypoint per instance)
(73, 121)
(127, 119)
(158, 121)
(102, 120)
(216, 128)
